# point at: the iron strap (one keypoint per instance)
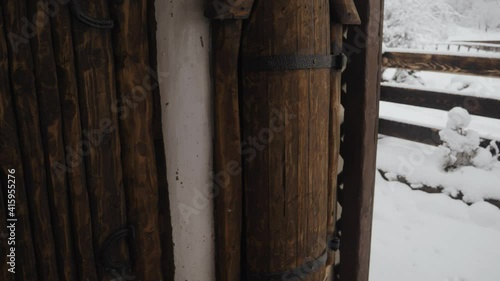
(294, 62)
(298, 273)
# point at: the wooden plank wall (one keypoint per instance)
(76, 124)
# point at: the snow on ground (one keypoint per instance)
(421, 165)
(459, 33)
(430, 237)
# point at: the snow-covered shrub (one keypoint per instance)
(399, 75)
(460, 145)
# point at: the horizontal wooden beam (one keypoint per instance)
(409, 132)
(439, 100)
(483, 66)
(414, 133)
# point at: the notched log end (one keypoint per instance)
(229, 9)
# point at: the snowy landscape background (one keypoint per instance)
(438, 236)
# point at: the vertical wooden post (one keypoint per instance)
(62, 41)
(165, 221)
(134, 85)
(99, 108)
(227, 140)
(29, 149)
(52, 139)
(285, 140)
(362, 77)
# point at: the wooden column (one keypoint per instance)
(134, 86)
(98, 108)
(73, 164)
(285, 139)
(362, 77)
(52, 138)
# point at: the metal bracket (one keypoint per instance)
(77, 11)
(294, 62)
(294, 274)
(106, 262)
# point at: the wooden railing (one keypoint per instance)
(454, 63)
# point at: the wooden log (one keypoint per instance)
(98, 109)
(440, 100)
(345, 12)
(10, 159)
(52, 138)
(28, 148)
(483, 66)
(362, 78)
(410, 132)
(285, 140)
(165, 228)
(229, 9)
(62, 42)
(227, 140)
(131, 52)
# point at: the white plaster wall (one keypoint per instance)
(183, 53)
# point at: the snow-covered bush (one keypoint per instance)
(407, 22)
(460, 145)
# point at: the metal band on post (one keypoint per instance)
(294, 62)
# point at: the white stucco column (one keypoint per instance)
(183, 37)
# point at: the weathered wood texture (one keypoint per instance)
(362, 78)
(285, 138)
(439, 100)
(99, 108)
(133, 75)
(229, 9)
(52, 138)
(73, 164)
(483, 66)
(10, 158)
(29, 149)
(227, 139)
(345, 12)
(165, 225)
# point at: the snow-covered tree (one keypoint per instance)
(407, 22)
(460, 145)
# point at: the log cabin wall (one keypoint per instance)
(79, 137)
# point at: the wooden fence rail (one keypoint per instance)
(440, 100)
(458, 64)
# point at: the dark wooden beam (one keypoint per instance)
(229, 9)
(133, 80)
(345, 12)
(25, 103)
(227, 141)
(73, 165)
(362, 78)
(52, 138)
(11, 164)
(458, 64)
(415, 133)
(443, 101)
(99, 108)
(410, 132)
